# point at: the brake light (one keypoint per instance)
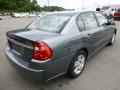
(41, 51)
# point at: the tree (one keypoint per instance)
(19, 5)
(52, 8)
(25, 6)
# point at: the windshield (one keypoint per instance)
(50, 23)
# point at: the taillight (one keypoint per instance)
(41, 51)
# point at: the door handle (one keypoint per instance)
(105, 30)
(88, 35)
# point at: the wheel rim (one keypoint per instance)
(79, 64)
(113, 38)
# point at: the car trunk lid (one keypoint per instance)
(22, 41)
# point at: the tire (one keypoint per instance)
(77, 64)
(112, 41)
(115, 19)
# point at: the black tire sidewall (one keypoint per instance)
(110, 43)
(71, 69)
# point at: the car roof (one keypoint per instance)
(69, 13)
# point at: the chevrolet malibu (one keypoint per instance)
(59, 43)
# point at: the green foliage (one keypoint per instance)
(25, 6)
(52, 8)
(19, 5)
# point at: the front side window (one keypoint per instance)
(101, 19)
(89, 20)
(50, 23)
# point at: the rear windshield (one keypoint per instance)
(50, 23)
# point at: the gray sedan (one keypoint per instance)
(59, 43)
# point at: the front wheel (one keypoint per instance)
(112, 41)
(77, 64)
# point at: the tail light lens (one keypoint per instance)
(42, 51)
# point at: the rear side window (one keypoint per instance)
(80, 24)
(101, 19)
(89, 20)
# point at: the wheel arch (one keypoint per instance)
(84, 49)
(81, 49)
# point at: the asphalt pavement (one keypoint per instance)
(102, 71)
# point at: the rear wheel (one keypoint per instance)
(77, 64)
(112, 41)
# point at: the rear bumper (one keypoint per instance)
(24, 69)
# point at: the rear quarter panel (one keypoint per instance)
(61, 58)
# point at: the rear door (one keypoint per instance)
(92, 34)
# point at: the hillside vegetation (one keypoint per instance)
(25, 6)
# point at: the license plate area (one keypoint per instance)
(17, 48)
(20, 47)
